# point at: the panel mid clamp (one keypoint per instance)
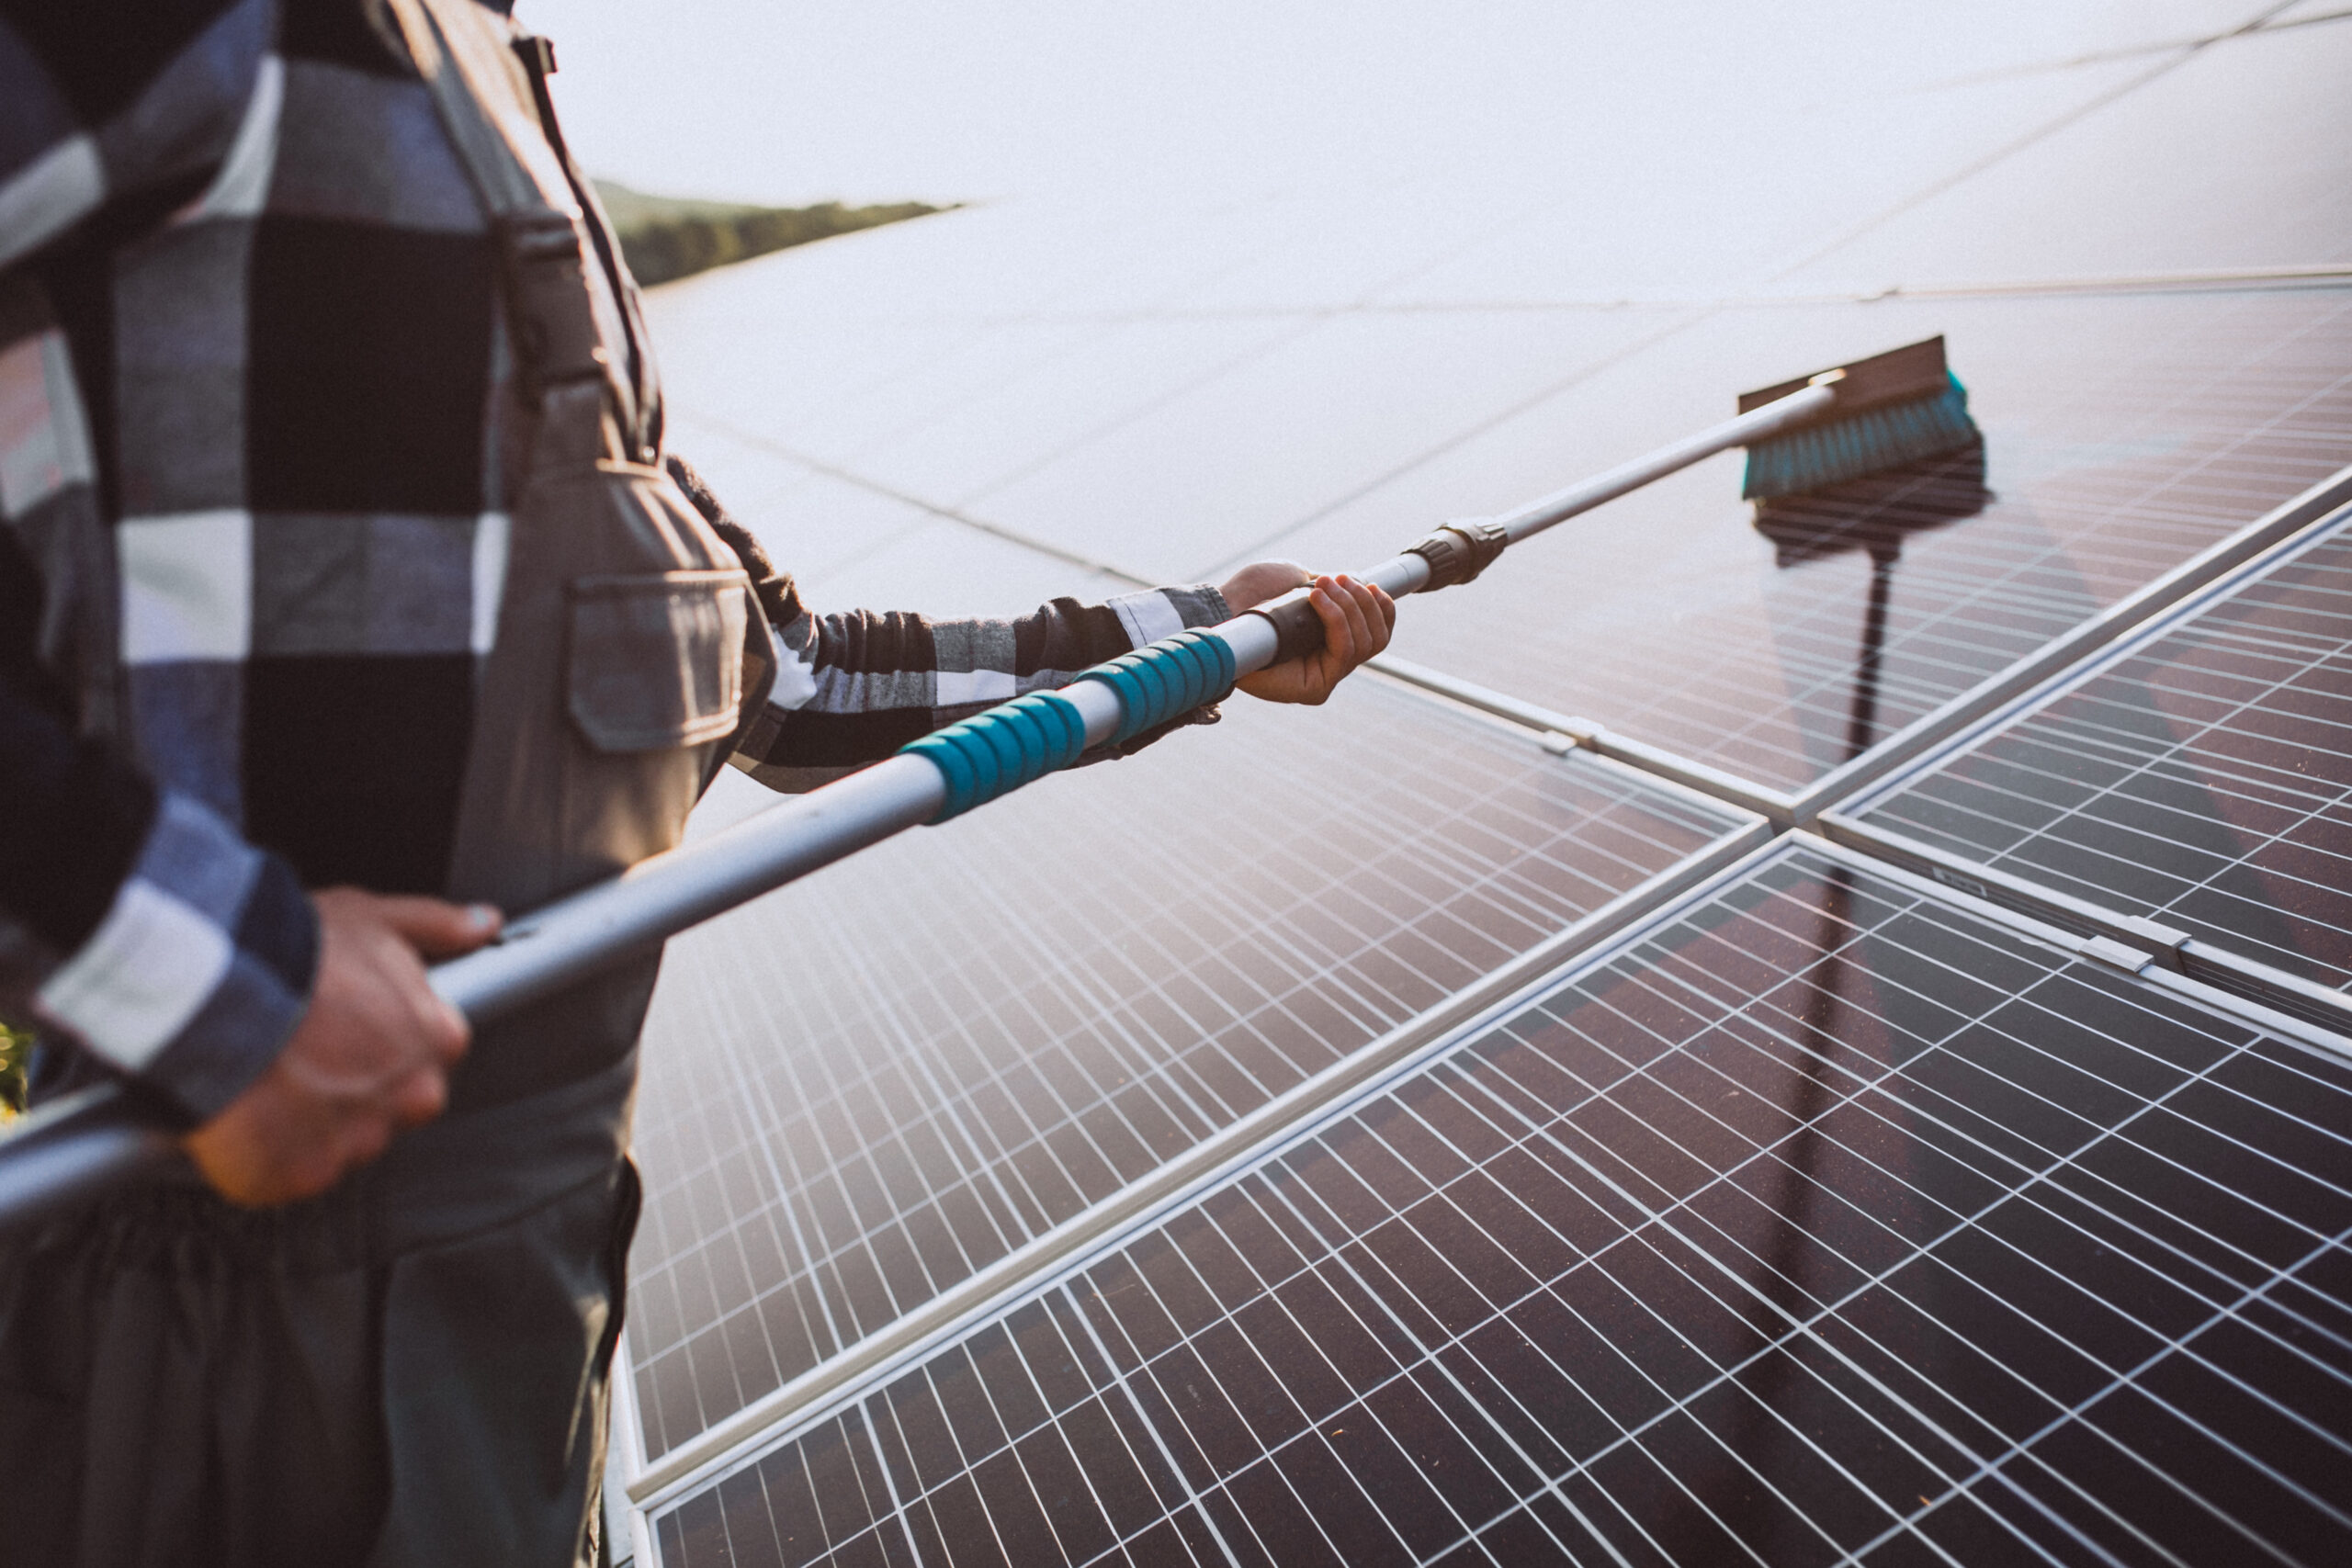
(2106, 949)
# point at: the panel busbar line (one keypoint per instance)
(1830, 1219)
(2199, 777)
(867, 1090)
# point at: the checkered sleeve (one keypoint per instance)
(199, 966)
(116, 101)
(853, 687)
(134, 921)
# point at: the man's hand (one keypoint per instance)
(1357, 618)
(371, 1057)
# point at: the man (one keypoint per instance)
(346, 598)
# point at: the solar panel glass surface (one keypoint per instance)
(853, 544)
(868, 1088)
(863, 1091)
(1828, 1221)
(2203, 777)
(1160, 380)
(2177, 175)
(2122, 435)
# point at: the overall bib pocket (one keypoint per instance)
(656, 658)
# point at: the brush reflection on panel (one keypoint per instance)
(1730, 1502)
(1874, 515)
(1829, 1223)
(2204, 779)
(872, 1086)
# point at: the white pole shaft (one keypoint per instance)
(1753, 426)
(100, 1142)
(574, 937)
(563, 941)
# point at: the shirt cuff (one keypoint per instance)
(200, 969)
(1156, 613)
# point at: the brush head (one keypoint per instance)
(1891, 409)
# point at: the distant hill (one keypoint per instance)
(668, 237)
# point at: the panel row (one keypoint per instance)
(1829, 1219)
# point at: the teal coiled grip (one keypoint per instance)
(1166, 679)
(996, 752)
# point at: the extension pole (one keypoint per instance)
(79, 1147)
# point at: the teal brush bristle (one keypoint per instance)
(1837, 449)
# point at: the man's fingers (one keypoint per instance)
(370, 1057)
(1379, 617)
(1362, 616)
(443, 1028)
(420, 1098)
(439, 929)
(1357, 618)
(455, 1037)
(1322, 669)
(1348, 651)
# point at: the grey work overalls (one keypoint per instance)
(411, 1368)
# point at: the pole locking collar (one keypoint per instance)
(1459, 551)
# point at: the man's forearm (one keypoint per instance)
(854, 688)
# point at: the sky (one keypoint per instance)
(872, 100)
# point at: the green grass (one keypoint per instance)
(664, 238)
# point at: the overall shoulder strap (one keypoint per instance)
(481, 99)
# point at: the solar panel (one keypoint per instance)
(1836, 1219)
(860, 1092)
(2200, 776)
(1205, 477)
(2123, 435)
(1826, 1219)
(2237, 189)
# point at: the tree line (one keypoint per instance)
(664, 238)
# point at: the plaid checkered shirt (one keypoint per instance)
(254, 406)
